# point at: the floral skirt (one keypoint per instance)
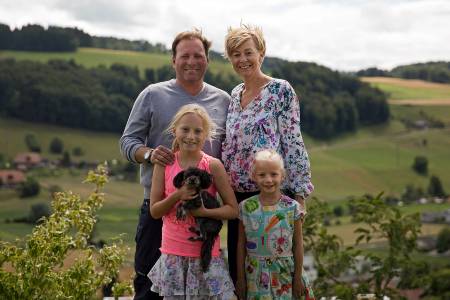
(181, 277)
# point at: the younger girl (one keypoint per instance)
(178, 274)
(270, 243)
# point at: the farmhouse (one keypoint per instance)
(25, 161)
(11, 178)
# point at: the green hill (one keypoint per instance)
(91, 57)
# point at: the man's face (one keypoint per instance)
(190, 62)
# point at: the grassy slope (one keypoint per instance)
(91, 57)
(400, 89)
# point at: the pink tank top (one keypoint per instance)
(175, 233)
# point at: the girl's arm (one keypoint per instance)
(298, 287)
(159, 206)
(241, 284)
(229, 209)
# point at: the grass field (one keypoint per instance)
(401, 89)
(91, 57)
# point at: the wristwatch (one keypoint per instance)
(148, 155)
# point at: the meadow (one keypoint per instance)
(92, 57)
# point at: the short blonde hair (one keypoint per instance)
(237, 36)
(208, 124)
(268, 155)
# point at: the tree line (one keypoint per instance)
(35, 37)
(100, 98)
(438, 71)
(332, 102)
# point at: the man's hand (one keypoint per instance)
(241, 289)
(162, 156)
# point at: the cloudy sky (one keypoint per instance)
(344, 35)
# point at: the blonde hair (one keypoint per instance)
(268, 155)
(237, 36)
(208, 124)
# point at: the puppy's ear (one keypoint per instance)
(205, 179)
(178, 180)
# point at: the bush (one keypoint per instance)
(443, 240)
(66, 161)
(56, 146)
(38, 211)
(29, 188)
(35, 265)
(338, 211)
(435, 187)
(420, 165)
(32, 143)
(77, 151)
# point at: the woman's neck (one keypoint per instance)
(256, 82)
(188, 159)
(268, 199)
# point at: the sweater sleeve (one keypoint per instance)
(294, 152)
(135, 133)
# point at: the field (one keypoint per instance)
(92, 57)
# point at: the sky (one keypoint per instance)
(344, 35)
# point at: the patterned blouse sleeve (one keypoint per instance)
(293, 149)
(299, 213)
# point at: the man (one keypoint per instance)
(145, 141)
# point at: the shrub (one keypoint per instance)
(38, 211)
(56, 146)
(29, 188)
(443, 240)
(420, 165)
(35, 266)
(77, 151)
(435, 187)
(32, 143)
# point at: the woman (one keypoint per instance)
(264, 113)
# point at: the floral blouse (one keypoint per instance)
(269, 121)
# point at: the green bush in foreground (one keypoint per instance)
(35, 268)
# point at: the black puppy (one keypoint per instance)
(207, 228)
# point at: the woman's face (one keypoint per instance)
(246, 59)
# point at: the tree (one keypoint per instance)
(332, 258)
(32, 143)
(338, 211)
(66, 161)
(420, 165)
(29, 188)
(443, 240)
(435, 187)
(56, 146)
(34, 266)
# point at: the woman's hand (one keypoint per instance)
(202, 211)
(186, 193)
(298, 288)
(241, 289)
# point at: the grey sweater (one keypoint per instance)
(152, 112)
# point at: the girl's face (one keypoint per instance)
(268, 176)
(190, 133)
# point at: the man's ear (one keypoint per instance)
(178, 180)
(205, 179)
